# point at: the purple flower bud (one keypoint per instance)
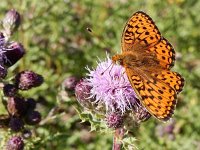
(2, 42)
(166, 130)
(82, 92)
(9, 90)
(3, 72)
(70, 83)
(114, 120)
(26, 134)
(159, 131)
(31, 104)
(33, 117)
(16, 124)
(1, 37)
(16, 106)
(13, 53)
(171, 137)
(169, 128)
(11, 21)
(15, 143)
(141, 114)
(26, 80)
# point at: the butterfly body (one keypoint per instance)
(133, 60)
(147, 58)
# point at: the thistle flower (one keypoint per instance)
(110, 87)
(15, 143)
(107, 91)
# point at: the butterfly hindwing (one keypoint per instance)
(173, 79)
(158, 97)
(164, 52)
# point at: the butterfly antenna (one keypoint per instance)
(92, 33)
(122, 75)
(96, 36)
(111, 65)
(89, 30)
(111, 69)
(99, 38)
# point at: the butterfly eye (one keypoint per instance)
(119, 61)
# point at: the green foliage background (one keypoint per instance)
(58, 45)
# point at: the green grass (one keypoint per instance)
(58, 45)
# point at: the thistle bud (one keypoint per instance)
(142, 115)
(15, 143)
(15, 51)
(26, 134)
(3, 72)
(114, 120)
(16, 124)
(139, 112)
(16, 106)
(33, 117)
(11, 22)
(26, 80)
(82, 92)
(166, 130)
(70, 83)
(4, 121)
(9, 90)
(2, 40)
(31, 104)
(1, 36)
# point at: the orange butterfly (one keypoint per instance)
(147, 58)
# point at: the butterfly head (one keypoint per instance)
(126, 59)
(118, 59)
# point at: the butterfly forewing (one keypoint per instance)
(139, 33)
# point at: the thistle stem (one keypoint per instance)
(118, 135)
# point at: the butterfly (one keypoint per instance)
(147, 58)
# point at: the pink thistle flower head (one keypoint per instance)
(110, 87)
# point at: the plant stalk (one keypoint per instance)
(118, 136)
